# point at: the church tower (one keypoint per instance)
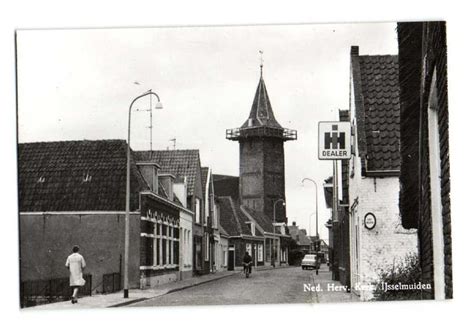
(262, 156)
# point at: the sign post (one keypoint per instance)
(334, 144)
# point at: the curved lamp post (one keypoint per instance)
(316, 188)
(127, 194)
(309, 232)
(274, 221)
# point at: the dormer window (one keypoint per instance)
(252, 227)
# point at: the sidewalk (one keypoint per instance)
(331, 291)
(136, 295)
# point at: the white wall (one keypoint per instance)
(186, 241)
(388, 243)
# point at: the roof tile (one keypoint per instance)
(381, 105)
(180, 163)
(76, 176)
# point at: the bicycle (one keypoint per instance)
(247, 268)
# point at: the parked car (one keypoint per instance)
(310, 261)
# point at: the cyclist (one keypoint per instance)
(247, 262)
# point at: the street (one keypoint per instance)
(285, 285)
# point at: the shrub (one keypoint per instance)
(405, 272)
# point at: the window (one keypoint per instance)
(170, 252)
(164, 245)
(158, 241)
(248, 248)
(198, 253)
(207, 247)
(197, 211)
(260, 252)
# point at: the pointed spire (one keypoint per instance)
(261, 113)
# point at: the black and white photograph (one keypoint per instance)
(230, 165)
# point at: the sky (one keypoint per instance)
(78, 84)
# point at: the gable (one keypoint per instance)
(377, 105)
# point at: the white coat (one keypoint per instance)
(76, 263)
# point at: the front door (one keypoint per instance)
(231, 258)
(355, 247)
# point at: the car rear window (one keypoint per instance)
(309, 257)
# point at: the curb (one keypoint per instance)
(168, 292)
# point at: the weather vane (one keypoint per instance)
(261, 62)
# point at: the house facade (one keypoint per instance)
(185, 166)
(425, 166)
(378, 241)
(73, 193)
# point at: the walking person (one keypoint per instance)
(76, 264)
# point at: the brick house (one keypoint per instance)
(211, 220)
(185, 165)
(73, 192)
(425, 177)
(378, 241)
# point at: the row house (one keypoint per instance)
(425, 167)
(303, 241)
(185, 166)
(216, 237)
(249, 231)
(73, 192)
(378, 241)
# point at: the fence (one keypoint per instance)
(111, 282)
(36, 292)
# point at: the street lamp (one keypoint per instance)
(274, 221)
(127, 194)
(309, 230)
(316, 188)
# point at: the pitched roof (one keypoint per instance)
(262, 220)
(225, 185)
(303, 239)
(204, 174)
(76, 176)
(261, 113)
(222, 230)
(376, 93)
(231, 218)
(177, 162)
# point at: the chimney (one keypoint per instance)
(294, 223)
(167, 181)
(180, 189)
(354, 50)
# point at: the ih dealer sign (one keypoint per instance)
(334, 140)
